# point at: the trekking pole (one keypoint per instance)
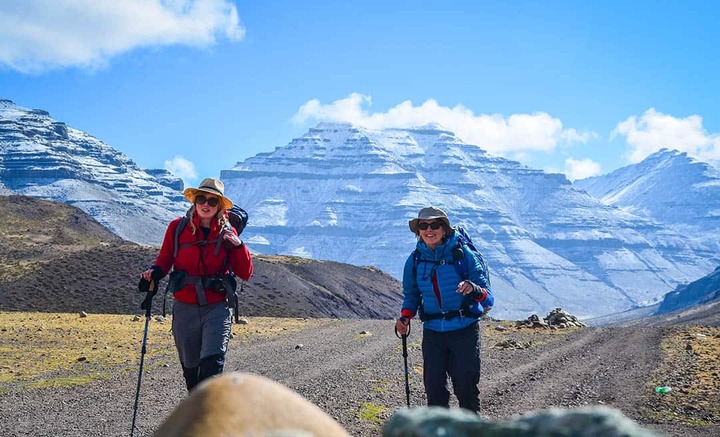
(405, 356)
(151, 288)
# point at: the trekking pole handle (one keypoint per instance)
(397, 334)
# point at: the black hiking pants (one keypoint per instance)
(455, 354)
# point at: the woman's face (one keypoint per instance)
(431, 237)
(203, 205)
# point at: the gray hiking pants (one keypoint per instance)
(200, 331)
(457, 354)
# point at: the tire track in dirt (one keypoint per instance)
(589, 366)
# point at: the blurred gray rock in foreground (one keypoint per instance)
(595, 421)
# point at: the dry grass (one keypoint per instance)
(284, 259)
(691, 369)
(54, 350)
(60, 349)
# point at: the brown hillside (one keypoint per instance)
(56, 258)
(36, 226)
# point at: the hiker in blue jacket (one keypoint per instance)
(450, 301)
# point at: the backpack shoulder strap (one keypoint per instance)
(219, 242)
(460, 260)
(178, 229)
(416, 261)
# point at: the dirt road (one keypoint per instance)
(353, 370)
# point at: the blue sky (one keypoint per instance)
(579, 87)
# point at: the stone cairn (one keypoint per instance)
(556, 319)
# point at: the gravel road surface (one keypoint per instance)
(347, 372)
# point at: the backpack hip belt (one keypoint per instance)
(447, 315)
(220, 282)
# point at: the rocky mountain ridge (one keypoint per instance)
(703, 291)
(669, 187)
(43, 157)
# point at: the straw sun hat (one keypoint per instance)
(209, 186)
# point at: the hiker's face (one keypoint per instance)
(203, 208)
(431, 237)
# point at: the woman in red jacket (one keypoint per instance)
(208, 249)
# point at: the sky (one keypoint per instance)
(580, 87)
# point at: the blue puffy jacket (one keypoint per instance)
(435, 271)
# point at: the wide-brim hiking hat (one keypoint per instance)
(429, 213)
(210, 186)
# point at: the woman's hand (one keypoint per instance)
(468, 288)
(465, 287)
(402, 325)
(232, 238)
(147, 274)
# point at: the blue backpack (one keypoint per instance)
(459, 258)
(461, 262)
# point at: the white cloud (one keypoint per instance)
(654, 130)
(495, 133)
(581, 168)
(37, 35)
(181, 168)
(573, 136)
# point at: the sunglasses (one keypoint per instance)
(434, 226)
(211, 201)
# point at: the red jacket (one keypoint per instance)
(199, 260)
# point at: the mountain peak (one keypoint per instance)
(329, 125)
(661, 186)
(432, 126)
(665, 153)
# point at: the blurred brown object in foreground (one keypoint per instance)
(242, 404)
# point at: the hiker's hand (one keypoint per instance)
(402, 325)
(153, 273)
(232, 238)
(147, 274)
(476, 292)
(465, 287)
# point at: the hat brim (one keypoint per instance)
(191, 193)
(414, 222)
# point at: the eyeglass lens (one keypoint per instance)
(434, 226)
(202, 200)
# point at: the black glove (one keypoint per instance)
(145, 286)
(150, 287)
(478, 292)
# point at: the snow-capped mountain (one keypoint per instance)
(346, 194)
(670, 187)
(42, 157)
